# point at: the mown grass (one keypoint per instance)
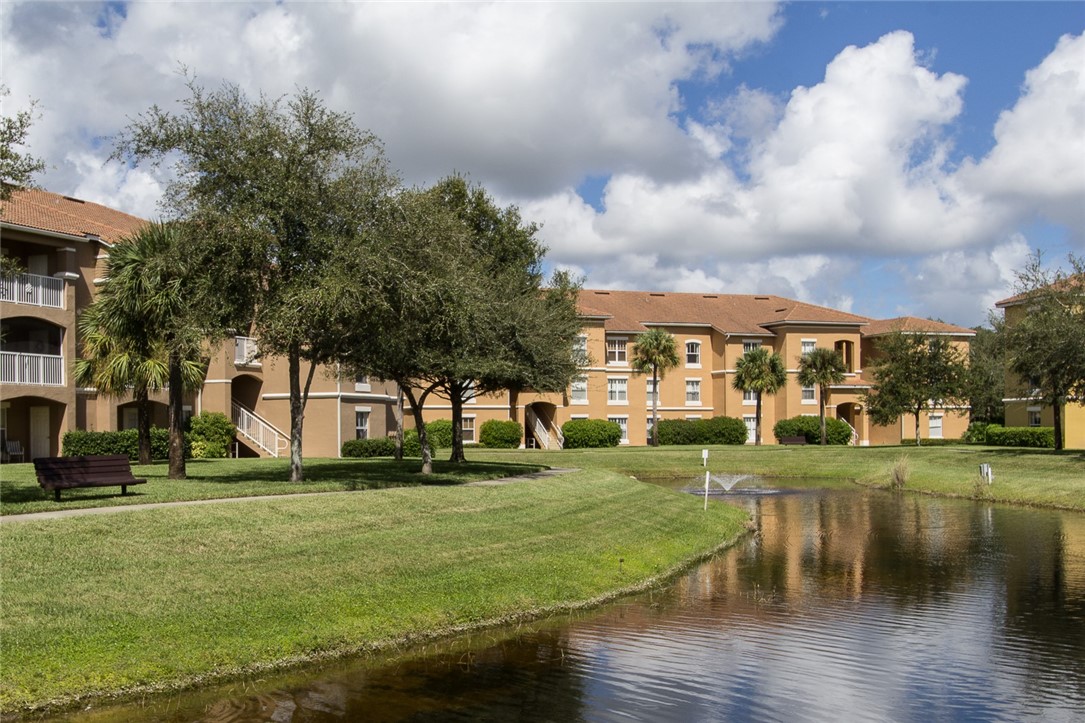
(1022, 476)
(221, 478)
(148, 599)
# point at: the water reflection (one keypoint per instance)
(842, 605)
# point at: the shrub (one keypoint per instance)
(500, 434)
(976, 433)
(210, 434)
(1040, 437)
(717, 430)
(376, 447)
(440, 434)
(591, 433)
(79, 443)
(836, 431)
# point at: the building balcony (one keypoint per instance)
(32, 290)
(37, 369)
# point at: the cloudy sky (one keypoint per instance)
(882, 158)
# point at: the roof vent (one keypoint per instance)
(655, 294)
(711, 296)
(780, 311)
(603, 293)
(74, 200)
(761, 298)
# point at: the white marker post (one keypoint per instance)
(706, 487)
(704, 457)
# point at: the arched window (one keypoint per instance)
(693, 353)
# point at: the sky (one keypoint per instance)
(881, 158)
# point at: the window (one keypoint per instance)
(750, 345)
(578, 391)
(1034, 417)
(580, 348)
(467, 424)
(651, 386)
(616, 351)
(749, 397)
(361, 425)
(693, 353)
(809, 395)
(935, 426)
(361, 384)
(617, 391)
(622, 422)
(693, 391)
(808, 346)
(751, 428)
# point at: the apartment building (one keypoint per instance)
(62, 244)
(712, 331)
(1023, 409)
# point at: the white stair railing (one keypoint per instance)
(854, 434)
(258, 430)
(558, 435)
(541, 435)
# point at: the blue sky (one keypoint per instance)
(884, 158)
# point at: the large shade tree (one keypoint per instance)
(762, 372)
(1045, 345)
(822, 367)
(277, 187)
(655, 351)
(914, 373)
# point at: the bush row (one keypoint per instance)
(717, 430)
(925, 442)
(591, 433)
(1041, 437)
(836, 431)
(79, 443)
(494, 433)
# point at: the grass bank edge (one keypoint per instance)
(702, 542)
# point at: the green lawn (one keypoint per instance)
(216, 479)
(1022, 476)
(151, 599)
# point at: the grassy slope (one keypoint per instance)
(1022, 476)
(168, 596)
(216, 479)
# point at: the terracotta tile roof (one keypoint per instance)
(728, 313)
(911, 324)
(45, 211)
(1069, 282)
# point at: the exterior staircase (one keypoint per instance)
(547, 438)
(264, 437)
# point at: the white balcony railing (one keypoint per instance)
(43, 369)
(33, 290)
(245, 352)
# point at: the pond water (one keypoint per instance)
(843, 605)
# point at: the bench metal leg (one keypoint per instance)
(124, 489)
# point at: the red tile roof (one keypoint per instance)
(1076, 281)
(45, 211)
(913, 325)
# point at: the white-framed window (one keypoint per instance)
(749, 397)
(578, 391)
(693, 354)
(693, 391)
(622, 422)
(648, 428)
(651, 387)
(467, 424)
(129, 418)
(808, 346)
(580, 345)
(361, 424)
(750, 345)
(616, 350)
(809, 395)
(935, 426)
(361, 384)
(751, 427)
(617, 390)
(1034, 417)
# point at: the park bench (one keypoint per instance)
(792, 440)
(61, 473)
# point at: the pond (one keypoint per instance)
(843, 605)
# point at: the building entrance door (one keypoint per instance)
(39, 432)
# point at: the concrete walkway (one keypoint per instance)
(58, 514)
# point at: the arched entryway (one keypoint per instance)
(850, 412)
(540, 429)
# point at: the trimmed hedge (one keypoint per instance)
(499, 434)
(376, 447)
(717, 430)
(79, 443)
(440, 434)
(836, 431)
(591, 433)
(1039, 437)
(210, 434)
(927, 442)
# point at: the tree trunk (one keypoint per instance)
(420, 425)
(1056, 409)
(143, 424)
(455, 395)
(176, 418)
(821, 405)
(757, 423)
(399, 423)
(655, 406)
(917, 413)
(297, 414)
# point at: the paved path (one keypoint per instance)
(57, 514)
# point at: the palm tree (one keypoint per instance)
(655, 350)
(146, 297)
(759, 371)
(819, 368)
